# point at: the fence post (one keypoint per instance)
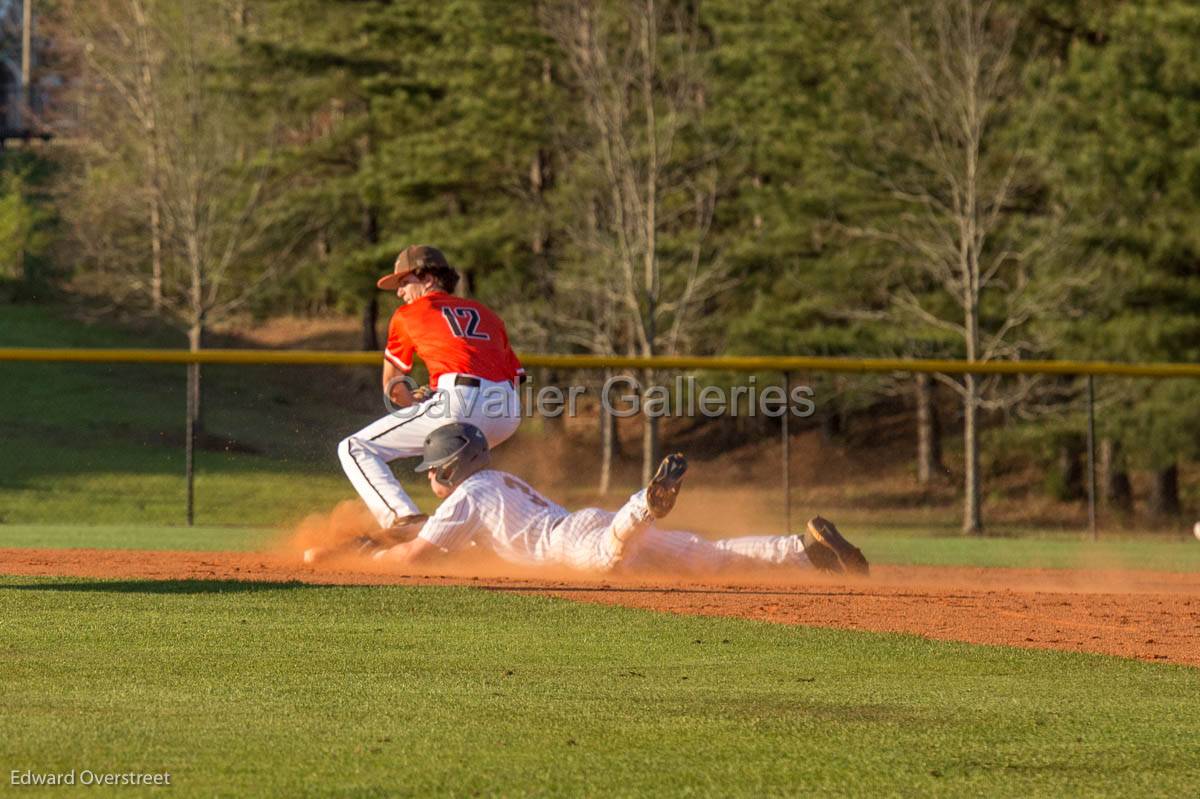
(1091, 456)
(787, 453)
(190, 443)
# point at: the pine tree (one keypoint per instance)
(416, 124)
(1127, 142)
(783, 78)
(317, 61)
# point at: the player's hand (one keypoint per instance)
(400, 391)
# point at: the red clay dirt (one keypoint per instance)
(1152, 616)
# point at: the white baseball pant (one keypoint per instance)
(493, 407)
(591, 539)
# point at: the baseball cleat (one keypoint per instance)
(664, 486)
(828, 551)
(822, 558)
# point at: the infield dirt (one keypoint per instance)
(1152, 616)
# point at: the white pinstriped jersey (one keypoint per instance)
(500, 512)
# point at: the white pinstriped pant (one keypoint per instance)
(365, 455)
(586, 540)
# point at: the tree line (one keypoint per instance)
(978, 179)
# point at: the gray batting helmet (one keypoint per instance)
(456, 451)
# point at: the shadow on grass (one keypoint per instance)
(162, 586)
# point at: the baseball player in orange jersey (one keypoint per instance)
(473, 376)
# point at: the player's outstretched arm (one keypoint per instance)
(409, 552)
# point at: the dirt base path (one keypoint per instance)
(1147, 615)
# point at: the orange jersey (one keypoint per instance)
(451, 335)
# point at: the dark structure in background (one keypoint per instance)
(21, 96)
(10, 96)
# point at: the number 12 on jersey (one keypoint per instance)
(455, 317)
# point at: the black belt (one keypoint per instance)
(475, 382)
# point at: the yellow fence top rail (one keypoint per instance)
(758, 363)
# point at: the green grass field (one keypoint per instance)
(115, 536)
(286, 690)
(1046, 552)
(245, 689)
(103, 443)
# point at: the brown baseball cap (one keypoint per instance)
(410, 259)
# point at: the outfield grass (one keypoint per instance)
(103, 443)
(115, 536)
(252, 492)
(1065, 552)
(287, 690)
